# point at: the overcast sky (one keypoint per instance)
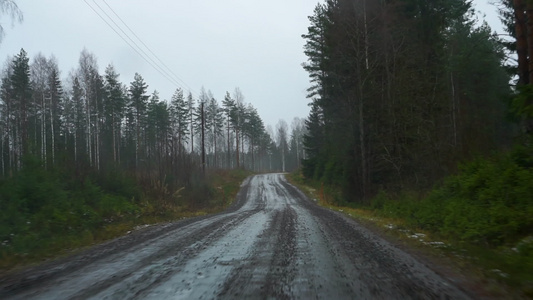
(217, 44)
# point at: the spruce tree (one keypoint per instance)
(21, 95)
(138, 105)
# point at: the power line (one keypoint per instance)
(137, 49)
(146, 46)
(129, 38)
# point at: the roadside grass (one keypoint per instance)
(44, 216)
(502, 271)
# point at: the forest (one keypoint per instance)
(421, 113)
(83, 153)
(101, 123)
(402, 91)
(418, 111)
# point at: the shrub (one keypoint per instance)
(489, 202)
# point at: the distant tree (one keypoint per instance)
(296, 143)
(191, 108)
(158, 127)
(200, 122)
(254, 130)
(215, 124)
(229, 109)
(21, 96)
(92, 86)
(7, 125)
(282, 141)
(46, 106)
(313, 140)
(237, 121)
(138, 105)
(78, 119)
(150, 129)
(114, 105)
(39, 70)
(179, 112)
(55, 96)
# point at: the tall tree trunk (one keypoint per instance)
(43, 130)
(252, 148)
(203, 136)
(192, 135)
(362, 146)
(454, 110)
(521, 41)
(89, 133)
(97, 142)
(52, 128)
(528, 120)
(113, 133)
(2, 153)
(237, 146)
(137, 133)
(215, 147)
(229, 146)
(529, 37)
(242, 149)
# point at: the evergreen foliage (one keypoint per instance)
(81, 156)
(401, 91)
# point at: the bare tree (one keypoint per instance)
(10, 8)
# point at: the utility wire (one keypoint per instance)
(146, 46)
(131, 40)
(138, 50)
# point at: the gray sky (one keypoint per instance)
(217, 44)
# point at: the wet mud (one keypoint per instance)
(273, 243)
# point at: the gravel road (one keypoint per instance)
(273, 243)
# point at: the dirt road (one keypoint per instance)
(272, 243)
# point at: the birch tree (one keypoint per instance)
(10, 8)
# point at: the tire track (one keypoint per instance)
(272, 243)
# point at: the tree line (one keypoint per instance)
(92, 121)
(402, 90)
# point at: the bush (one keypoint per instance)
(42, 210)
(488, 202)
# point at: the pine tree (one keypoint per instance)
(313, 141)
(21, 95)
(179, 117)
(229, 109)
(114, 105)
(138, 105)
(215, 125)
(191, 109)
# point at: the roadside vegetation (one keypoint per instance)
(426, 128)
(49, 213)
(481, 218)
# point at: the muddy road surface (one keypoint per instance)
(273, 243)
